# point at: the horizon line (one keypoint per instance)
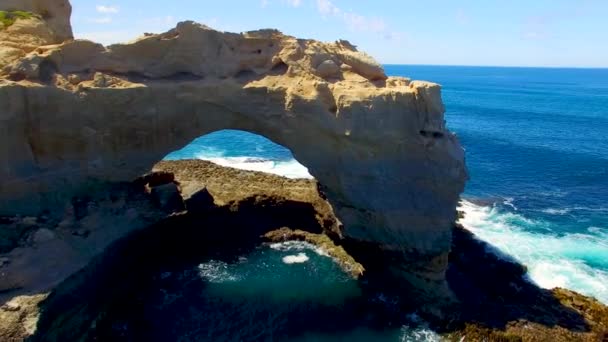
(502, 66)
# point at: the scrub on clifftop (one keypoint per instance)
(8, 18)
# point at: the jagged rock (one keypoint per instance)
(200, 201)
(378, 147)
(168, 197)
(157, 178)
(11, 307)
(74, 79)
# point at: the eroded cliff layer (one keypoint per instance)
(77, 113)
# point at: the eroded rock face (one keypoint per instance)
(78, 112)
(54, 13)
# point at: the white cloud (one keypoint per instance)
(107, 9)
(327, 8)
(101, 20)
(264, 3)
(357, 22)
(294, 3)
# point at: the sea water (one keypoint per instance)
(536, 145)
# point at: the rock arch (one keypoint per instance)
(79, 112)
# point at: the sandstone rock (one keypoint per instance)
(363, 64)
(168, 197)
(11, 307)
(74, 79)
(200, 201)
(56, 14)
(328, 69)
(381, 152)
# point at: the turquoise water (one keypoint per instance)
(284, 291)
(536, 144)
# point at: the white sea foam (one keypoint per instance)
(290, 246)
(567, 210)
(288, 168)
(299, 258)
(509, 201)
(421, 332)
(215, 271)
(554, 211)
(553, 260)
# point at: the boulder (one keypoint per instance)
(200, 201)
(328, 69)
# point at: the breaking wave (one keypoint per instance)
(577, 261)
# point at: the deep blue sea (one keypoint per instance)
(536, 145)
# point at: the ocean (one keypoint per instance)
(536, 143)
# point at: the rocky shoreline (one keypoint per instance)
(493, 300)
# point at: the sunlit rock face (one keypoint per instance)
(78, 113)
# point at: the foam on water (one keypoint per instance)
(553, 260)
(287, 246)
(420, 333)
(245, 151)
(286, 168)
(299, 258)
(215, 271)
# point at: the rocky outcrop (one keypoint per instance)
(77, 114)
(54, 15)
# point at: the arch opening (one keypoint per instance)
(243, 150)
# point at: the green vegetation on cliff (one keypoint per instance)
(8, 18)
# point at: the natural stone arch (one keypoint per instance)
(80, 112)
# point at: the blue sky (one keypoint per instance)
(448, 32)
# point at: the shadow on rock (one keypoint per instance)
(143, 288)
(499, 302)
(111, 300)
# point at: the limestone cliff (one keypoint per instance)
(77, 113)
